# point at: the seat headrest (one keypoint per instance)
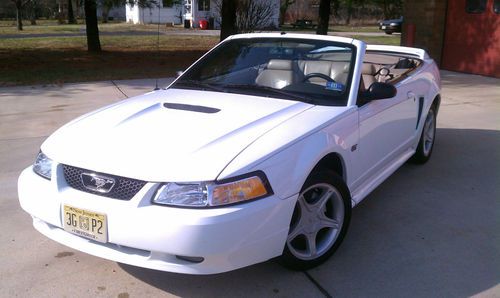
(278, 64)
(368, 69)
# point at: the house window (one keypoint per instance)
(475, 6)
(203, 5)
(496, 6)
(167, 3)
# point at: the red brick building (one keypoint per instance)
(461, 35)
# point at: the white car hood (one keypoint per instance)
(141, 138)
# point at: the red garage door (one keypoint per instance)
(472, 37)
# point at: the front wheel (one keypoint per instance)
(319, 221)
(426, 143)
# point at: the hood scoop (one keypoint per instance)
(191, 108)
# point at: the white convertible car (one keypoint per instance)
(258, 150)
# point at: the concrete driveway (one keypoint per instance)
(431, 230)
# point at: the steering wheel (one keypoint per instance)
(317, 75)
(383, 71)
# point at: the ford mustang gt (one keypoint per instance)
(259, 150)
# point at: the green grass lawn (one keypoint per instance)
(57, 60)
(51, 26)
(344, 28)
(47, 60)
(393, 40)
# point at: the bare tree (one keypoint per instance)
(32, 11)
(71, 15)
(93, 42)
(228, 14)
(323, 17)
(19, 7)
(284, 4)
(252, 15)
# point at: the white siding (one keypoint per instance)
(139, 15)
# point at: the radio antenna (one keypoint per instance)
(158, 44)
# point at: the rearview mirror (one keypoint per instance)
(379, 90)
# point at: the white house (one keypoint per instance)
(189, 12)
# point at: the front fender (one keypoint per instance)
(286, 163)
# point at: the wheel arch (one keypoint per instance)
(332, 161)
(436, 102)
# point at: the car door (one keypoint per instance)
(386, 131)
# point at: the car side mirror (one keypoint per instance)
(379, 90)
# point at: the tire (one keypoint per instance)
(388, 32)
(427, 138)
(319, 221)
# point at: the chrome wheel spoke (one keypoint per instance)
(303, 204)
(320, 204)
(317, 223)
(298, 230)
(327, 222)
(428, 133)
(311, 245)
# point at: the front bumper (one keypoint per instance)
(153, 236)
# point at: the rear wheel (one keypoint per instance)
(319, 222)
(426, 143)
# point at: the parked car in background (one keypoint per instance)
(304, 24)
(391, 26)
(258, 150)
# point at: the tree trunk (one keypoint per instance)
(284, 4)
(323, 17)
(93, 43)
(228, 24)
(19, 16)
(71, 15)
(349, 12)
(105, 14)
(282, 15)
(33, 6)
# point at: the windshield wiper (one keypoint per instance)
(199, 84)
(261, 88)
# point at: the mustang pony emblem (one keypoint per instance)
(97, 183)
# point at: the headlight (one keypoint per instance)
(43, 165)
(208, 194)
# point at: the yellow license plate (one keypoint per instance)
(85, 223)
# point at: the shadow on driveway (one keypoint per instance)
(428, 230)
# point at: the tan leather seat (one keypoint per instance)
(335, 70)
(277, 74)
(368, 75)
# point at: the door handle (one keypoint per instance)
(411, 95)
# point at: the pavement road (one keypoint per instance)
(428, 231)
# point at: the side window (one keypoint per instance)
(167, 3)
(203, 5)
(475, 6)
(496, 6)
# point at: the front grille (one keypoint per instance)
(124, 188)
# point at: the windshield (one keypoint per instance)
(314, 71)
